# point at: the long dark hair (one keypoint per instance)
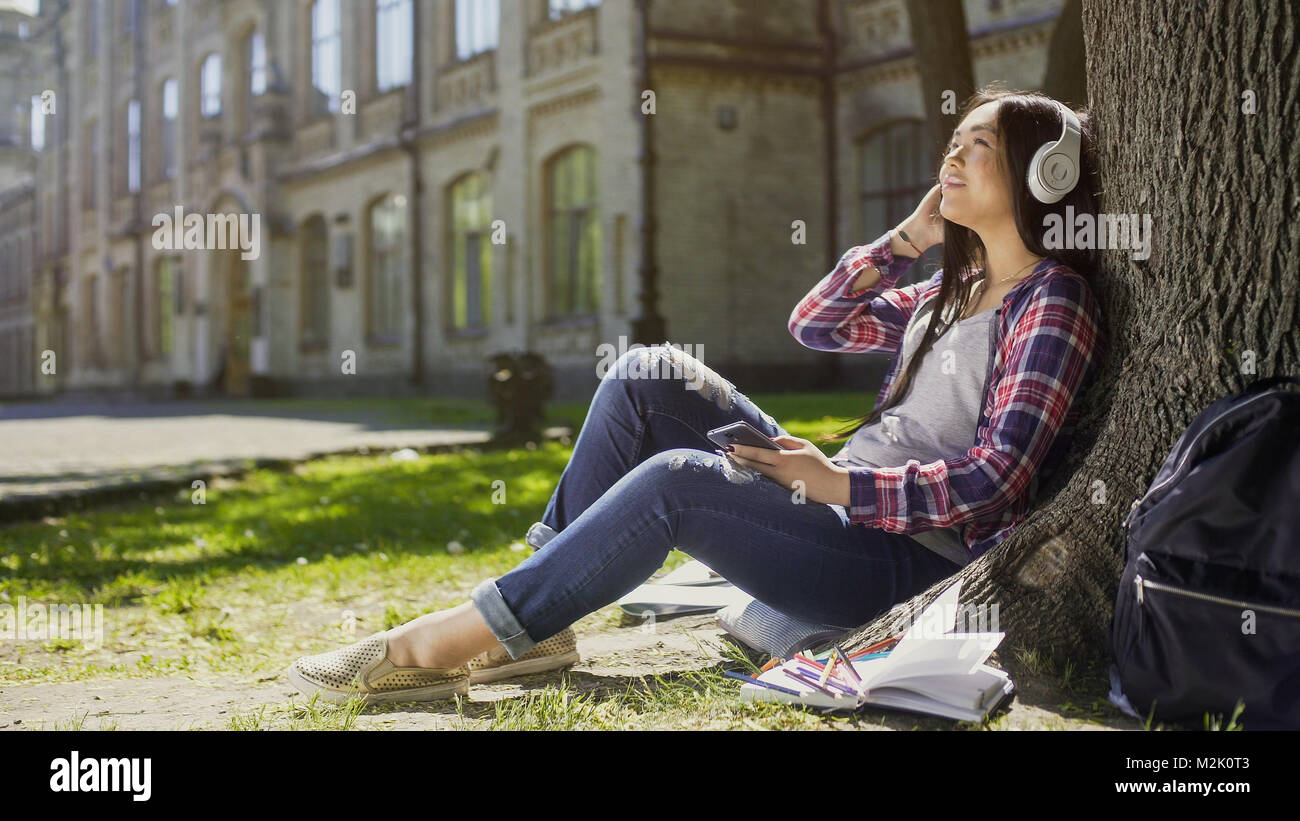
(1025, 120)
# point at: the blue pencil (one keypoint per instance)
(750, 680)
(812, 684)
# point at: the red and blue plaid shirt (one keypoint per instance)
(1048, 341)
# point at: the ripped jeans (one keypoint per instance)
(644, 478)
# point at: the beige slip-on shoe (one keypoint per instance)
(363, 669)
(560, 650)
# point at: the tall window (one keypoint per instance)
(133, 146)
(326, 57)
(476, 26)
(896, 170)
(394, 30)
(471, 252)
(315, 282)
(388, 268)
(164, 307)
(210, 87)
(573, 232)
(38, 124)
(256, 51)
(559, 8)
(170, 108)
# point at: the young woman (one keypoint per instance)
(998, 346)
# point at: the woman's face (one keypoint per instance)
(974, 189)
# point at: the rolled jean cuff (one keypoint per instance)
(500, 620)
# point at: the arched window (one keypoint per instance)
(387, 268)
(210, 86)
(314, 279)
(470, 211)
(896, 169)
(573, 232)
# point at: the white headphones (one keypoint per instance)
(1054, 170)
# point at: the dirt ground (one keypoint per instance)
(611, 658)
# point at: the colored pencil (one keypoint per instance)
(769, 685)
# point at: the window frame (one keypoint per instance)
(314, 283)
(457, 245)
(167, 155)
(317, 44)
(563, 304)
(899, 195)
(396, 268)
(134, 146)
(210, 72)
(255, 63)
(470, 23)
(393, 70)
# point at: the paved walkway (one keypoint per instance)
(52, 450)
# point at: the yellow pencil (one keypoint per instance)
(830, 665)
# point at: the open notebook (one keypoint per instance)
(930, 670)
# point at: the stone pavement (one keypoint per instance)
(56, 452)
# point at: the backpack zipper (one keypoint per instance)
(1140, 583)
(1187, 451)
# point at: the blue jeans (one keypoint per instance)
(644, 478)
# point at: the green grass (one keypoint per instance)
(279, 564)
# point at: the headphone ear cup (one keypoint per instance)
(1052, 174)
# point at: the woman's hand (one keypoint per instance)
(823, 480)
(925, 226)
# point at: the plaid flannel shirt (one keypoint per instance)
(1048, 341)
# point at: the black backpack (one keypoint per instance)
(1208, 607)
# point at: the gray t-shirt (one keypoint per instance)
(939, 416)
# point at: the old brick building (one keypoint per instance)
(438, 180)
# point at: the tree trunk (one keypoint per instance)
(1214, 307)
(942, 48)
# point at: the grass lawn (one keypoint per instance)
(276, 565)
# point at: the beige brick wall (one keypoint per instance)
(729, 267)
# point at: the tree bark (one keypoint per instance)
(1168, 83)
(941, 44)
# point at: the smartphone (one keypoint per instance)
(741, 433)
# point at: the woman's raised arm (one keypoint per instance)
(855, 308)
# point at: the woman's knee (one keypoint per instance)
(660, 367)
